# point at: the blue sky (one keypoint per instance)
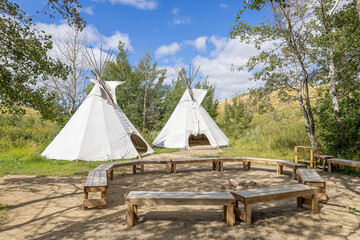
(179, 32)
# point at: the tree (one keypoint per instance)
(72, 91)
(236, 115)
(141, 96)
(24, 60)
(151, 80)
(286, 63)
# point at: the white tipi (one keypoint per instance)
(99, 130)
(190, 124)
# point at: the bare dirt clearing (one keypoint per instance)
(51, 207)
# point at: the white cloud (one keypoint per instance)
(88, 10)
(218, 65)
(178, 19)
(223, 5)
(139, 4)
(199, 43)
(91, 33)
(166, 50)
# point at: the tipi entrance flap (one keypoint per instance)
(198, 140)
(140, 146)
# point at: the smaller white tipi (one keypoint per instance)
(99, 130)
(190, 124)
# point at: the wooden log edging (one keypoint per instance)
(217, 165)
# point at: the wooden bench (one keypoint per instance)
(337, 162)
(257, 195)
(214, 161)
(135, 198)
(294, 166)
(312, 178)
(95, 182)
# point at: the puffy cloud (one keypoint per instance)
(218, 66)
(139, 4)
(199, 43)
(91, 33)
(166, 50)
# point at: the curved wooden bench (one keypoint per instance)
(217, 164)
(337, 162)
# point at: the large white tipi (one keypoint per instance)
(190, 124)
(99, 130)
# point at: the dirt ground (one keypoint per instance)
(51, 207)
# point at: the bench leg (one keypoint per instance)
(86, 196)
(173, 167)
(294, 173)
(134, 169)
(230, 216)
(330, 167)
(112, 174)
(142, 168)
(214, 165)
(130, 215)
(279, 169)
(298, 179)
(225, 212)
(323, 193)
(314, 204)
(300, 201)
(167, 167)
(221, 166)
(247, 214)
(103, 195)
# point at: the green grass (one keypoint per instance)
(165, 150)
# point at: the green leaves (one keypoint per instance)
(24, 60)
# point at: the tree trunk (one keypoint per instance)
(332, 91)
(144, 106)
(305, 108)
(358, 8)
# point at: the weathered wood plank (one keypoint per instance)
(94, 202)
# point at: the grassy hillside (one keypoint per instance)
(270, 135)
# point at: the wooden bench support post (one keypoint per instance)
(142, 168)
(168, 167)
(131, 216)
(247, 214)
(214, 165)
(279, 169)
(230, 216)
(221, 166)
(300, 201)
(134, 169)
(314, 204)
(86, 196)
(112, 174)
(173, 167)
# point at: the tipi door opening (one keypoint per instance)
(198, 140)
(139, 144)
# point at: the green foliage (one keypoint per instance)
(237, 116)
(24, 60)
(140, 97)
(336, 141)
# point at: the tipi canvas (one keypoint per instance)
(99, 130)
(190, 122)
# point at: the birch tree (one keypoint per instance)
(284, 64)
(72, 91)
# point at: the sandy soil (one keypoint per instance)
(55, 212)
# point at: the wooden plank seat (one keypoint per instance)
(95, 182)
(135, 198)
(214, 161)
(159, 161)
(335, 162)
(294, 166)
(312, 178)
(257, 195)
